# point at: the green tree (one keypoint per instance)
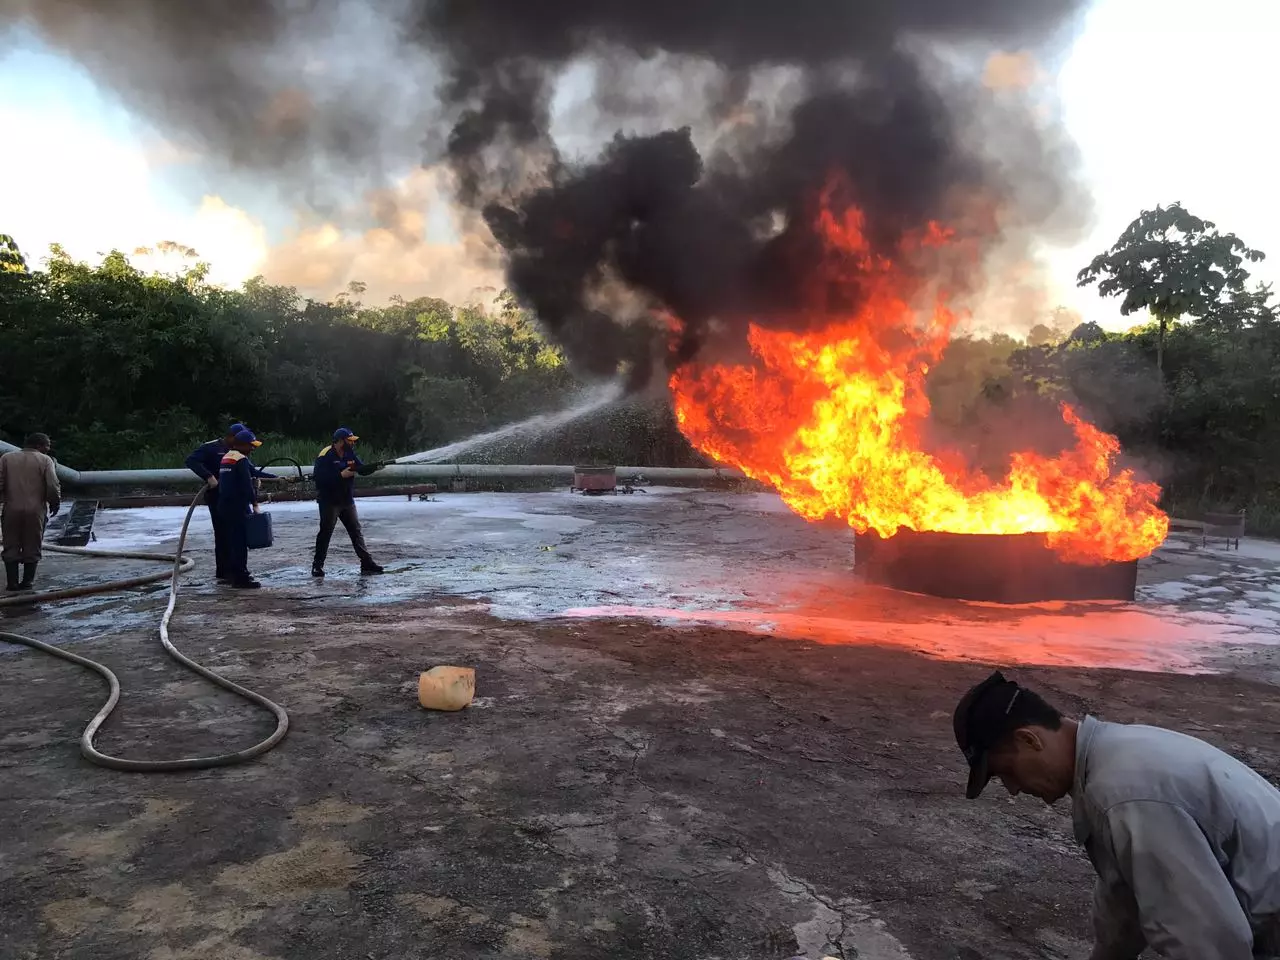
(965, 375)
(128, 367)
(441, 409)
(1172, 264)
(1243, 309)
(11, 258)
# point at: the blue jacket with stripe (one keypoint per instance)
(332, 488)
(205, 461)
(236, 493)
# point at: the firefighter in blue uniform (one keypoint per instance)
(334, 473)
(205, 462)
(237, 498)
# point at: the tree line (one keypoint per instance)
(112, 360)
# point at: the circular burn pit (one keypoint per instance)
(997, 568)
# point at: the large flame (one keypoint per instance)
(831, 419)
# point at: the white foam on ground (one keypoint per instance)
(739, 561)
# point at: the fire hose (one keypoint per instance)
(180, 565)
(296, 466)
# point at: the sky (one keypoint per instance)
(1168, 100)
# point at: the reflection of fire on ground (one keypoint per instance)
(832, 416)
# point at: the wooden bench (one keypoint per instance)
(1225, 526)
(1228, 526)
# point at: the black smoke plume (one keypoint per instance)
(731, 117)
(687, 230)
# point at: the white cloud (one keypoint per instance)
(225, 237)
(1154, 131)
(93, 193)
(395, 253)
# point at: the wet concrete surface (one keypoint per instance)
(695, 737)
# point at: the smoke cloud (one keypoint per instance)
(725, 121)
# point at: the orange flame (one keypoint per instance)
(831, 420)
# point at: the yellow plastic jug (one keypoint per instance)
(447, 688)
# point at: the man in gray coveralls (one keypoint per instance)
(31, 494)
(1184, 838)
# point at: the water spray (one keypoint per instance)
(539, 424)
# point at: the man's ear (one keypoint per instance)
(1028, 737)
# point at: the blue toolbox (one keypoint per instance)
(257, 530)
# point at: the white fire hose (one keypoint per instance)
(180, 565)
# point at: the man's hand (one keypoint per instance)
(257, 508)
(212, 483)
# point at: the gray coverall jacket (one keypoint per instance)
(1186, 843)
(29, 489)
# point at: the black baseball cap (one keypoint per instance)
(985, 715)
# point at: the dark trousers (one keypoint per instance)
(235, 543)
(220, 567)
(330, 514)
(22, 532)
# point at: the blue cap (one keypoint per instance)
(342, 433)
(245, 435)
(235, 428)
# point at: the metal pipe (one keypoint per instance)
(422, 471)
(65, 474)
(399, 471)
(269, 496)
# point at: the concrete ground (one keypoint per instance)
(695, 736)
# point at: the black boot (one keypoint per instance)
(28, 575)
(11, 575)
